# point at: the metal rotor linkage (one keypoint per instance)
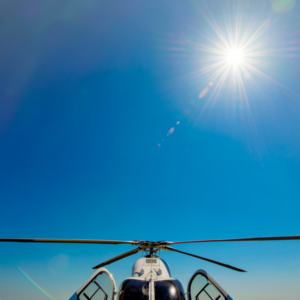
(151, 252)
(149, 244)
(152, 249)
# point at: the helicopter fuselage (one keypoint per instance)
(150, 280)
(151, 277)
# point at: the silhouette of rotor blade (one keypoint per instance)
(108, 242)
(275, 238)
(212, 261)
(118, 258)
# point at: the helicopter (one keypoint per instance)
(151, 275)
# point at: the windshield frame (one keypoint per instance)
(210, 280)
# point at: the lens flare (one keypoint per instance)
(205, 90)
(171, 130)
(36, 285)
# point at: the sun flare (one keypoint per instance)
(231, 57)
(235, 56)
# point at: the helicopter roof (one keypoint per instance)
(143, 267)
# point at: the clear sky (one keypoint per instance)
(89, 94)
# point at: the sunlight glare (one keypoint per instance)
(231, 55)
(234, 56)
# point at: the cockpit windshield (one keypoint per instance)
(135, 290)
(165, 290)
(139, 290)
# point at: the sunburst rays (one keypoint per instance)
(235, 51)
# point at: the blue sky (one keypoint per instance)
(90, 88)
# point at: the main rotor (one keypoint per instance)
(152, 248)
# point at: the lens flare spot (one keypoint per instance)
(204, 92)
(171, 130)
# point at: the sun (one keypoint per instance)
(234, 56)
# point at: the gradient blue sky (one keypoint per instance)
(90, 88)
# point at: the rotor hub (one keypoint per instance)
(149, 245)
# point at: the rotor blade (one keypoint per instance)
(212, 261)
(275, 238)
(118, 258)
(70, 241)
